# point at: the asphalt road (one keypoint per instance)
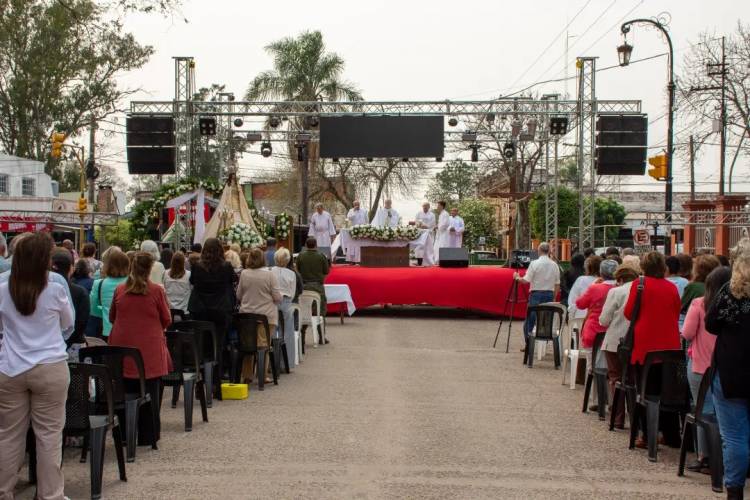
(399, 405)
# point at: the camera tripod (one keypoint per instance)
(514, 298)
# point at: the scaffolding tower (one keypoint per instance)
(182, 110)
(587, 109)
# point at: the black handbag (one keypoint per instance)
(625, 347)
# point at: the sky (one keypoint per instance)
(436, 50)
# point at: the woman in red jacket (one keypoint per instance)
(593, 300)
(656, 328)
(139, 314)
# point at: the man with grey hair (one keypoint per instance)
(543, 276)
(321, 227)
(4, 263)
(356, 216)
(386, 216)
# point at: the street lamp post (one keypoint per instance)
(624, 52)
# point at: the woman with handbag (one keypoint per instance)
(114, 272)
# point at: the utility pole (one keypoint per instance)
(692, 168)
(92, 148)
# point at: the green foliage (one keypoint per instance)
(607, 212)
(455, 182)
(147, 212)
(59, 64)
(479, 218)
(120, 235)
(567, 212)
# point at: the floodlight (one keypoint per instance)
(238, 122)
(509, 150)
(558, 125)
(274, 121)
(253, 136)
(474, 152)
(266, 149)
(469, 136)
(452, 122)
(207, 126)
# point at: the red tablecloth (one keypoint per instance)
(480, 288)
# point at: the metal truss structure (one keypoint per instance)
(587, 110)
(73, 219)
(551, 179)
(181, 109)
(581, 114)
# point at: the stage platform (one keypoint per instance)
(476, 288)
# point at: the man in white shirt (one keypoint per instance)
(385, 216)
(321, 227)
(543, 276)
(443, 234)
(455, 229)
(356, 216)
(425, 219)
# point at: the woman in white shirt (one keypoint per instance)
(287, 280)
(157, 270)
(581, 285)
(34, 312)
(177, 283)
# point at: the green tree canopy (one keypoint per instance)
(455, 182)
(58, 67)
(479, 218)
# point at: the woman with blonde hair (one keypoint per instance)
(114, 272)
(139, 315)
(728, 317)
(287, 280)
(234, 259)
(177, 283)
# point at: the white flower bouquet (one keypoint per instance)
(241, 234)
(400, 233)
(283, 226)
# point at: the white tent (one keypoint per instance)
(232, 209)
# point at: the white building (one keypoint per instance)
(24, 185)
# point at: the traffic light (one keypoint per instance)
(659, 172)
(82, 206)
(57, 140)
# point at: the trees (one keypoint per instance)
(455, 182)
(608, 213)
(479, 220)
(700, 107)
(58, 64)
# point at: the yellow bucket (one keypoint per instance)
(234, 391)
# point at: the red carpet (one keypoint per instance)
(480, 288)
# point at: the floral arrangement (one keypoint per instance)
(149, 210)
(284, 224)
(242, 234)
(400, 233)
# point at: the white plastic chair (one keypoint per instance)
(315, 322)
(571, 354)
(297, 334)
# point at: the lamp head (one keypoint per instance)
(624, 52)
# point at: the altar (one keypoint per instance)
(353, 248)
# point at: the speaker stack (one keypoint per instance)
(621, 144)
(151, 145)
(454, 257)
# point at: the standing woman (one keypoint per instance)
(728, 317)
(34, 373)
(177, 283)
(139, 315)
(115, 271)
(570, 276)
(287, 280)
(702, 266)
(212, 298)
(157, 271)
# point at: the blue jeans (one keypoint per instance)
(734, 424)
(694, 379)
(536, 297)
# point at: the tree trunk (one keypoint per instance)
(524, 234)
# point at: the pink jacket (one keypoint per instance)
(593, 299)
(702, 342)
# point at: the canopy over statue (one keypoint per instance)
(232, 209)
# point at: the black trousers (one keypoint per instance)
(153, 389)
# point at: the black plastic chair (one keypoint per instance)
(279, 346)
(596, 375)
(84, 418)
(545, 330)
(179, 315)
(711, 427)
(247, 328)
(673, 394)
(183, 347)
(209, 353)
(626, 386)
(129, 403)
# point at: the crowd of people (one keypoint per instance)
(697, 304)
(48, 311)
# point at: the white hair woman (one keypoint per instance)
(287, 285)
(157, 270)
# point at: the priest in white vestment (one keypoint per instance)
(443, 225)
(321, 227)
(385, 216)
(455, 229)
(356, 216)
(425, 219)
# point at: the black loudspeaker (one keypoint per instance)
(151, 161)
(150, 144)
(621, 144)
(521, 259)
(454, 257)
